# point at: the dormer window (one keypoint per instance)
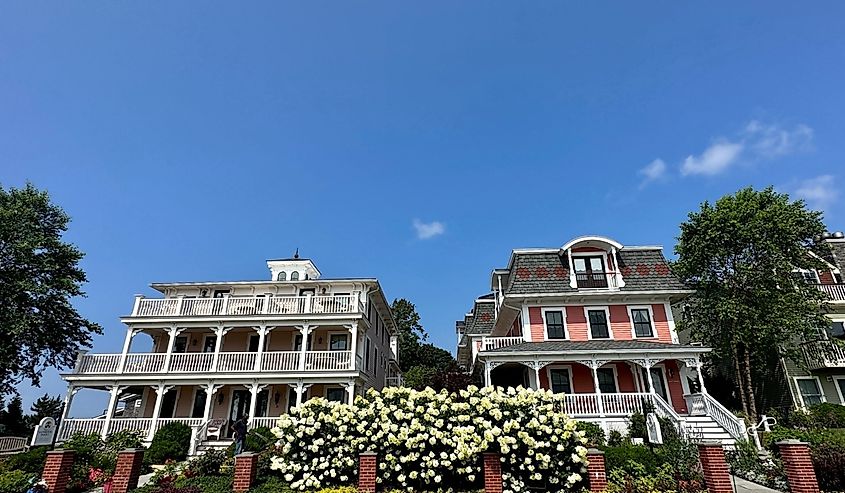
(590, 272)
(808, 276)
(283, 276)
(294, 276)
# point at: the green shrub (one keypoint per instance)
(615, 438)
(630, 458)
(593, 431)
(31, 461)
(637, 426)
(827, 415)
(829, 464)
(638, 480)
(207, 484)
(171, 442)
(16, 481)
(273, 484)
(259, 439)
(209, 463)
(813, 437)
(682, 457)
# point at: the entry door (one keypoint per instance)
(198, 409)
(658, 380)
(239, 408)
(168, 404)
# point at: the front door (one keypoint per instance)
(168, 404)
(659, 382)
(239, 407)
(198, 409)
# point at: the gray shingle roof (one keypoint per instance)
(483, 318)
(548, 272)
(562, 346)
(838, 250)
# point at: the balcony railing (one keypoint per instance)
(835, 292)
(246, 305)
(619, 404)
(157, 363)
(595, 280)
(823, 354)
(143, 426)
(493, 343)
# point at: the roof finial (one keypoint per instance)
(296, 254)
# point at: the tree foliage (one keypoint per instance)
(739, 255)
(39, 276)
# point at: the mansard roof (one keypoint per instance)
(479, 321)
(547, 271)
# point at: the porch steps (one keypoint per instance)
(212, 445)
(706, 428)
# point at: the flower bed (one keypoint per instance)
(429, 440)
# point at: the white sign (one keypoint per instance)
(44, 433)
(655, 436)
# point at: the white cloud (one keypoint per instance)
(429, 230)
(714, 160)
(819, 192)
(654, 170)
(771, 141)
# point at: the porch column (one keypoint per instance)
(353, 345)
(305, 330)
(262, 336)
(71, 391)
(647, 364)
(594, 366)
(210, 390)
(350, 392)
(300, 392)
(219, 332)
(114, 393)
(254, 389)
(160, 389)
(700, 376)
(172, 332)
(127, 343)
(487, 374)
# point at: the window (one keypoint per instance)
(297, 342)
(282, 276)
(807, 276)
(294, 276)
(559, 380)
(554, 325)
(598, 324)
(338, 342)
(607, 380)
(180, 345)
(198, 409)
(218, 293)
(811, 392)
(589, 272)
(840, 388)
(336, 394)
(641, 318)
(209, 344)
(367, 354)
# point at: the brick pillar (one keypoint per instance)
(716, 473)
(367, 471)
(127, 470)
(246, 465)
(492, 473)
(57, 470)
(799, 466)
(596, 470)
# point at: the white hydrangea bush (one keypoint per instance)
(433, 441)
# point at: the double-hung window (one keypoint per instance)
(607, 380)
(559, 380)
(641, 318)
(554, 325)
(811, 392)
(598, 324)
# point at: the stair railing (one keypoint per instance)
(198, 434)
(664, 410)
(726, 419)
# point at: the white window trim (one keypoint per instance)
(798, 389)
(604, 254)
(631, 308)
(338, 332)
(568, 368)
(606, 309)
(611, 366)
(561, 309)
(839, 390)
(811, 271)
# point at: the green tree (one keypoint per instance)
(39, 276)
(739, 254)
(13, 420)
(46, 407)
(411, 333)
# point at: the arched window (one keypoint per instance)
(283, 276)
(294, 276)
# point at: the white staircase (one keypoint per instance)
(706, 428)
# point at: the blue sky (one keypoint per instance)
(415, 142)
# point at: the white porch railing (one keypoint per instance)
(98, 363)
(328, 360)
(144, 363)
(191, 362)
(246, 305)
(140, 425)
(705, 405)
(280, 361)
(493, 343)
(163, 421)
(70, 427)
(616, 404)
(835, 292)
(236, 362)
(10, 445)
(269, 422)
(823, 354)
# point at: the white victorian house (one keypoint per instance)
(222, 350)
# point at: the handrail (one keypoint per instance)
(726, 419)
(247, 305)
(664, 410)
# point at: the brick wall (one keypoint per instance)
(127, 470)
(716, 473)
(492, 473)
(57, 470)
(367, 470)
(596, 470)
(799, 466)
(246, 465)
